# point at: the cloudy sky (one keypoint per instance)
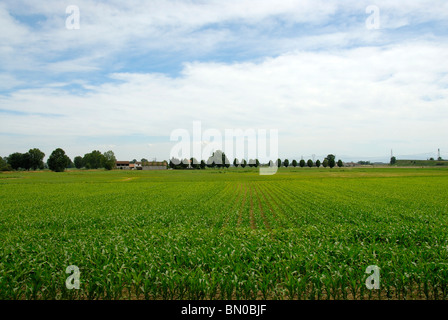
(331, 76)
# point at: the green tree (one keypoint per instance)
(257, 163)
(340, 163)
(218, 159)
(318, 164)
(203, 164)
(26, 161)
(15, 160)
(195, 164)
(4, 166)
(331, 157)
(225, 160)
(70, 164)
(79, 162)
(215, 160)
(243, 163)
(286, 163)
(331, 163)
(309, 163)
(294, 163)
(211, 163)
(109, 160)
(325, 163)
(94, 160)
(174, 163)
(279, 163)
(185, 163)
(19, 160)
(236, 162)
(251, 163)
(58, 160)
(36, 158)
(393, 160)
(302, 163)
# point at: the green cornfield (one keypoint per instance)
(225, 234)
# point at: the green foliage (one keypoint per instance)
(36, 158)
(279, 163)
(185, 163)
(286, 163)
(340, 163)
(196, 235)
(364, 162)
(4, 166)
(309, 163)
(325, 163)
(195, 164)
(19, 160)
(421, 163)
(218, 159)
(174, 163)
(302, 163)
(393, 160)
(109, 160)
(79, 162)
(294, 163)
(251, 163)
(94, 160)
(58, 160)
(318, 164)
(331, 157)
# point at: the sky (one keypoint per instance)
(353, 78)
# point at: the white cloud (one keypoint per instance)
(117, 27)
(318, 100)
(341, 86)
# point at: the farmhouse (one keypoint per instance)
(154, 165)
(150, 165)
(122, 165)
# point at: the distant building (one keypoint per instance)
(150, 165)
(351, 164)
(123, 165)
(154, 165)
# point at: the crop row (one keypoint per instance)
(224, 238)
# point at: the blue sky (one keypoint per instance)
(134, 72)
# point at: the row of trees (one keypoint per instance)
(219, 159)
(58, 161)
(33, 159)
(96, 160)
(328, 161)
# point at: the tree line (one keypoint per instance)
(219, 160)
(58, 161)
